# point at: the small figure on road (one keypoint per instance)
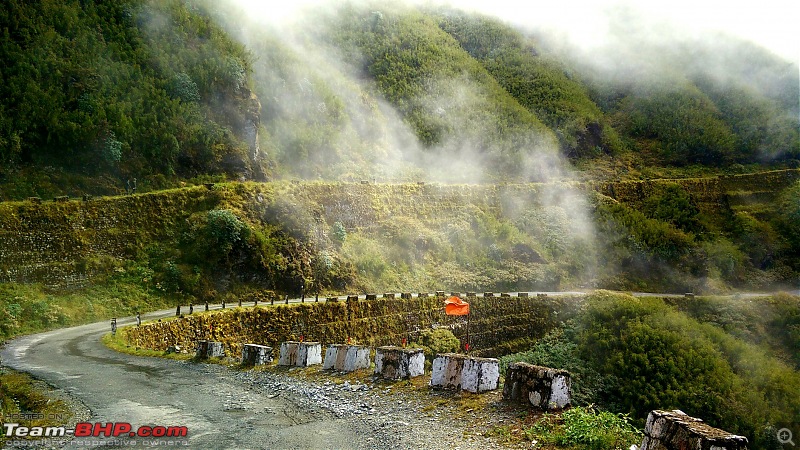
(138, 319)
(114, 325)
(191, 308)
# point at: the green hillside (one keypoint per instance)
(96, 93)
(539, 82)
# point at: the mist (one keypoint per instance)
(328, 115)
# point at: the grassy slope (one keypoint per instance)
(539, 82)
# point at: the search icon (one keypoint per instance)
(785, 436)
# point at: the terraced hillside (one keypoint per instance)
(208, 240)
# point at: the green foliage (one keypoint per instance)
(185, 89)
(643, 248)
(788, 221)
(559, 349)
(19, 393)
(436, 341)
(447, 97)
(673, 204)
(659, 358)
(762, 127)
(585, 428)
(339, 232)
(94, 93)
(225, 230)
(539, 83)
(88, 88)
(685, 122)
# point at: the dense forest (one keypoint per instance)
(96, 93)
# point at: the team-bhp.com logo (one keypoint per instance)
(86, 429)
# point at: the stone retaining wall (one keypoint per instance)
(499, 325)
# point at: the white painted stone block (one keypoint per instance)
(329, 363)
(289, 351)
(301, 354)
(346, 358)
(480, 375)
(462, 372)
(675, 429)
(396, 363)
(357, 358)
(310, 354)
(256, 355)
(559, 392)
(210, 349)
(542, 387)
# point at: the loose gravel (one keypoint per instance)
(390, 415)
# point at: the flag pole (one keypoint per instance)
(468, 317)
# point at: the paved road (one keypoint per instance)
(218, 412)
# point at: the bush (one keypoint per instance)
(558, 350)
(660, 358)
(439, 340)
(225, 229)
(586, 428)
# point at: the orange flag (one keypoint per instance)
(454, 306)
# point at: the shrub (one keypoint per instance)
(439, 340)
(586, 428)
(225, 229)
(557, 349)
(660, 358)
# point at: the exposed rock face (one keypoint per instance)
(394, 363)
(462, 372)
(542, 387)
(674, 430)
(251, 123)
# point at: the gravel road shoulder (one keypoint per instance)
(405, 414)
